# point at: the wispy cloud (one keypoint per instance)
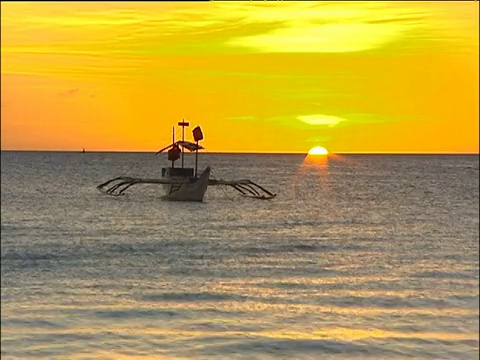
(328, 27)
(242, 118)
(319, 119)
(328, 38)
(155, 28)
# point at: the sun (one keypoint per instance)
(318, 150)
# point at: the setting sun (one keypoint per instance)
(318, 150)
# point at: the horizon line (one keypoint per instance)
(256, 152)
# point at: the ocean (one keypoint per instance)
(357, 257)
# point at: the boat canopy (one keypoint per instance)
(185, 144)
(189, 145)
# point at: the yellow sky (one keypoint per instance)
(257, 76)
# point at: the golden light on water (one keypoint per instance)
(312, 173)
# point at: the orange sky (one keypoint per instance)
(257, 76)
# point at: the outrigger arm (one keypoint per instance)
(246, 188)
(119, 185)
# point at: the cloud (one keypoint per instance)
(242, 118)
(328, 38)
(327, 27)
(82, 40)
(318, 119)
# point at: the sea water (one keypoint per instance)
(358, 257)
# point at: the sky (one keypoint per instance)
(381, 77)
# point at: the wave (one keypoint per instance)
(188, 297)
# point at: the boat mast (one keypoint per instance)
(196, 159)
(183, 123)
(173, 142)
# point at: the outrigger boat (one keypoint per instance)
(183, 183)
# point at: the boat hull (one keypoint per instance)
(193, 190)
